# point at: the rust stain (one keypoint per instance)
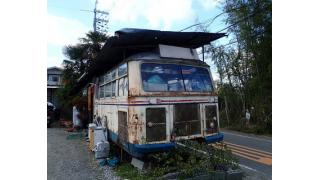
(133, 92)
(134, 125)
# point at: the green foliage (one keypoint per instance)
(80, 56)
(188, 161)
(245, 67)
(127, 171)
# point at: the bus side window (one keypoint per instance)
(107, 90)
(123, 80)
(120, 92)
(122, 70)
(125, 86)
(113, 85)
(101, 91)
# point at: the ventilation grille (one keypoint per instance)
(155, 124)
(211, 118)
(122, 127)
(186, 119)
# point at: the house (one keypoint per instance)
(54, 82)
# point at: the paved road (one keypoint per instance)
(69, 159)
(254, 153)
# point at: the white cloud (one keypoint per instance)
(209, 4)
(62, 31)
(54, 61)
(158, 13)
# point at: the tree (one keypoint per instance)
(82, 54)
(245, 65)
(80, 57)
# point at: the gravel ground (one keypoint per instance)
(69, 159)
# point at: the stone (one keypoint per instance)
(138, 163)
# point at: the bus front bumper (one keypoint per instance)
(214, 138)
(149, 148)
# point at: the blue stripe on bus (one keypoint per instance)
(214, 138)
(140, 150)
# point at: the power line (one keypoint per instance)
(237, 22)
(232, 42)
(86, 10)
(211, 20)
(243, 19)
(209, 50)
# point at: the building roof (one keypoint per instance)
(55, 69)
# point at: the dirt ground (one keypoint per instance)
(69, 158)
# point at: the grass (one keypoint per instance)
(127, 171)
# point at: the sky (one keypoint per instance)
(69, 20)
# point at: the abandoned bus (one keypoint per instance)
(154, 97)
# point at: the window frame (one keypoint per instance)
(112, 80)
(184, 86)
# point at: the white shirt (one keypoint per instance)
(247, 115)
(75, 119)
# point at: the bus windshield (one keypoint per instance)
(172, 77)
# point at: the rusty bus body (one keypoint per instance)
(150, 100)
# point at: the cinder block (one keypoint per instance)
(138, 163)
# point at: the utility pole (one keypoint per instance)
(100, 20)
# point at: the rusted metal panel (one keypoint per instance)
(135, 126)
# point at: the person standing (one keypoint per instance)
(75, 118)
(248, 116)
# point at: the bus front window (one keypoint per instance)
(171, 77)
(196, 79)
(161, 77)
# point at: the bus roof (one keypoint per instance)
(128, 41)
